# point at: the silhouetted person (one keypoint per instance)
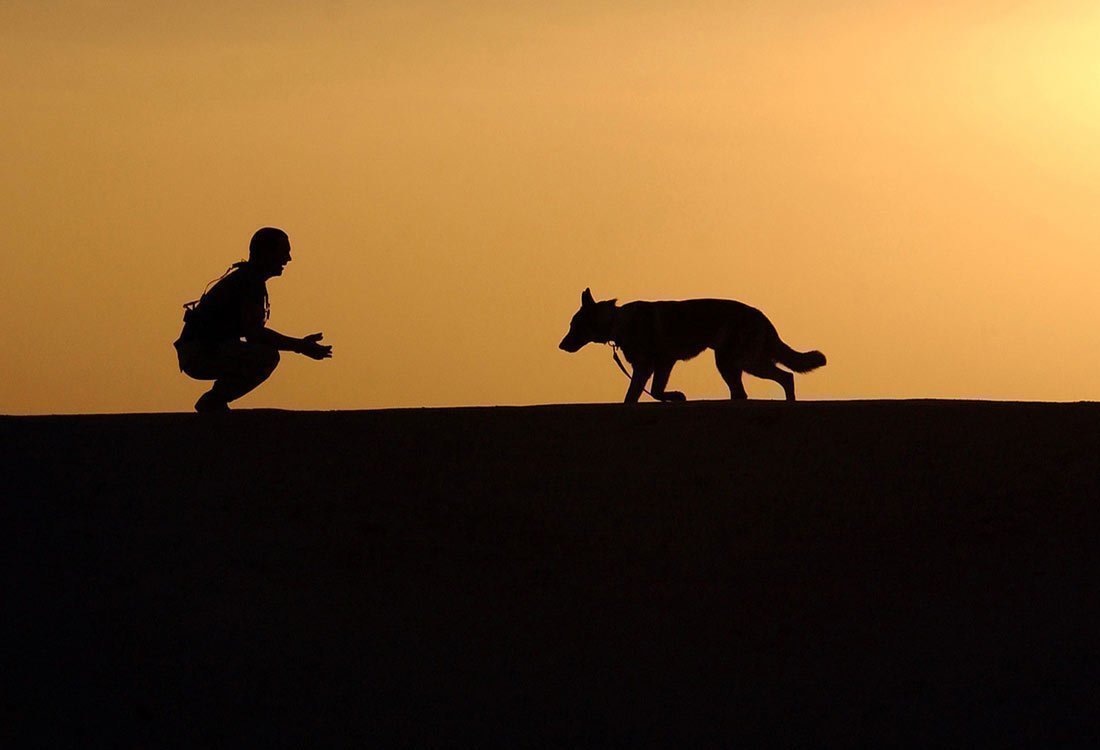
(225, 336)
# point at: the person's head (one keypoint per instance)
(269, 251)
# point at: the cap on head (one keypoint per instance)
(266, 242)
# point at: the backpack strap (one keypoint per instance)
(190, 307)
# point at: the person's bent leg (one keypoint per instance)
(242, 366)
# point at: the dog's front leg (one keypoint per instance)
(660, 380)
(637, 383)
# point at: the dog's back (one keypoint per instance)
(680, 330)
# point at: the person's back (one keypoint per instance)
(217, 316)
(225, 337)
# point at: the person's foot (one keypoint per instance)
(209, 403)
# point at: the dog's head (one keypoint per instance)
(592, 323)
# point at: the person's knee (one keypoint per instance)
(260, 361)
(269, 359)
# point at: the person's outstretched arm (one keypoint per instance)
(257, 332)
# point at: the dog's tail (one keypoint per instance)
(798, 361)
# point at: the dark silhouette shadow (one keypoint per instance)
(225, 336)
(654, 336)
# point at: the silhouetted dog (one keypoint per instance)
(655, 335)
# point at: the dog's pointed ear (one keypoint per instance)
(586, 298)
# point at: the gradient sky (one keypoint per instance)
(912, 188)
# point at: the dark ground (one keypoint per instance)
(708, 574)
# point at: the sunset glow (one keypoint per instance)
(911, 188)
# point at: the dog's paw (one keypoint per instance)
(674, 396)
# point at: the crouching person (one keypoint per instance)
(225, 336)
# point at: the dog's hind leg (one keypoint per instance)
(730, 370)
(769, 371)
(660, 380)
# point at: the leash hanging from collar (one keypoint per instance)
(619, 362)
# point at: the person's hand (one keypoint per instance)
(314, 350)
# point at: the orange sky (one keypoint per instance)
(910, 187)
